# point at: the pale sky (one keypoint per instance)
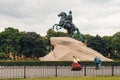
(92, 17)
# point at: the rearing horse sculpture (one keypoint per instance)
(67, 24)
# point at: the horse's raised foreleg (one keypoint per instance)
(54, 25)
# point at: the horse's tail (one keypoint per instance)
(80, 38)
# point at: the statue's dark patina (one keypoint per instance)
(66, 23)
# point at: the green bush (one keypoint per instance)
(2, 55)
(53, 63)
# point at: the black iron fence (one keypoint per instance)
(56, 71)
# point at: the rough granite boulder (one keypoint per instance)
(65, 48)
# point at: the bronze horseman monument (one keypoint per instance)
(67, 47)
(66, 23)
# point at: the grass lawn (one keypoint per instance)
(71, 78)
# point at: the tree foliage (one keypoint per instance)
(108, 46)
(116, 44)
(10, 41)
(98, 44)
(52, 33)
(31, 44)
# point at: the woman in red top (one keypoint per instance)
(75, 64)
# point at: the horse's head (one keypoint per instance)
(62, 14)
(62, 19)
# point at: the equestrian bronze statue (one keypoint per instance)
(66, 23)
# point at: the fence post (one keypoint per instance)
(24, 71)
(112, 70)
(56, 71)
(84, 70)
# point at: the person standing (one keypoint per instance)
(76, 65)
(78, 60)
(97, 62)
(75, 59)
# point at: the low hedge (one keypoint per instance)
(55, 63)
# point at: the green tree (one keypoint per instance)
(97, 43)
(116, 44)
(32, 45)
(10, 41)
(87, 38)
(108, 46)
(2, 55)
(52, 33)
